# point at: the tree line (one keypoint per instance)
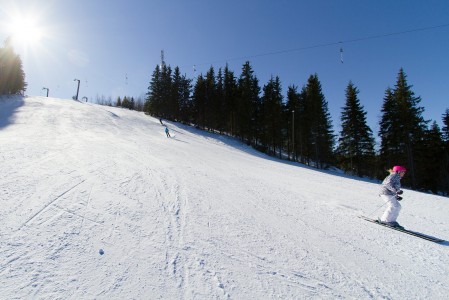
(12, 77)
(299, 126)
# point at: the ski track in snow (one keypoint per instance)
(197, 216)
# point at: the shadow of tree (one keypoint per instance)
(240, 145)
(8, 106)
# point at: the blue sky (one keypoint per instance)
(113, 46)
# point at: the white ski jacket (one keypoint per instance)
(391, 185)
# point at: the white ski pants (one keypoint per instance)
(393, 208)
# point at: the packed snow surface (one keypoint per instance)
(97, 203)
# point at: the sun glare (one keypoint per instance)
(25, 31)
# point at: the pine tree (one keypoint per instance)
(175, 93)
(402, 128)
(303, 124)
(154, 101)
(230, 101)
(412, 122)
(432, 151)
(445, 130)
(167, 109)
(199, 102)
(182, 92)
(220, 102)
(320, 136)
(210, 99)
(247, 103)
(356, 142)
(12, 77)
(271, 113)
(126, 103)
(293, 118)
(444, 175)
(390, 152)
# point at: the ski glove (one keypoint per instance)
(399, 198)
(400, 192)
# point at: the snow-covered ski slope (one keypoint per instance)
(198, 216)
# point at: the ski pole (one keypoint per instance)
(378, 208)
(389, 200)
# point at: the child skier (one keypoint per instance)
(390, 191)
(167, 132)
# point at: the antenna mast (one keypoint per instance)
(162, 60)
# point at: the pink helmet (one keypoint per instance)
(399, 169)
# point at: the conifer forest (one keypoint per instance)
(295, 127)
(299, 128)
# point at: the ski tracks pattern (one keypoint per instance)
(46, 206)
(174, 209)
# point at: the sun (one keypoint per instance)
(25, 31)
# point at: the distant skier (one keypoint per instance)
(167, 132)
(390, 191)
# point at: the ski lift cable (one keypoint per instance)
(326, 44)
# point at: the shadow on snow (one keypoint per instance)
(8, 106)
(238, 144)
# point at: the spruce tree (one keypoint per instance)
(402, 128)
(445, 130)
(431, 149)
(413, 124)
(210, 100)
(293, 115)
(303, 123)
(230, 101)
(271, 112)
(182, 94)
(126, 103)
(219, 102)
(390, 151)
(167, 107)
(444, 175)
(154, 100)
(199, 102)
(320, 135)
(175, 93)
(12, 77)
(356, 143)
(248, 102)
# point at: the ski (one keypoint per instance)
(414, 233)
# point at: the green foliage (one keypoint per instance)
(429, 161)
(248, 101)
(302, 126)
(168, 95)
(319, 138)
(128, 103)
(199, 102)
(270, 129)
(402, 128)
(444, 162)
(12, 77)
(356, 143)
(230, 101)
(445, 130)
